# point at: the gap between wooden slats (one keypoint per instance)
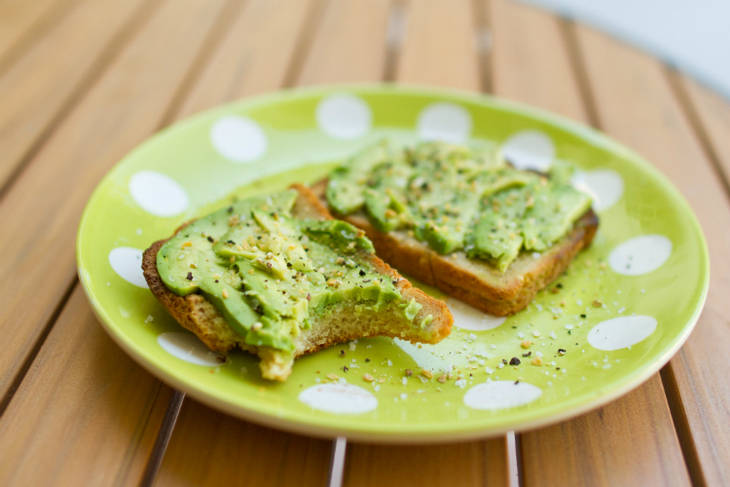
(22, 22)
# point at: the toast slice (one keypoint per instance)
(338, 323)
(473, 281)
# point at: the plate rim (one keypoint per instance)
(319, 427)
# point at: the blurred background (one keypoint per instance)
(82, 82)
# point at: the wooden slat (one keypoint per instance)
(440, 45)
(39, 85)
(41, 210)
(547, 79)
(469, 463)
(635, 103)
(211, 448)
(349, 44)
(85, 413)
(21, 19)
(254, 56)
(713, 116)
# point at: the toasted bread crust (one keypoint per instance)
(195, 313)
(476, 282)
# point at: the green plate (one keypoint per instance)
(599, 331)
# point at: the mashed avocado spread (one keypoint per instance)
(458, 199)
(270, 273)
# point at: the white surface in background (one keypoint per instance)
(693, 35)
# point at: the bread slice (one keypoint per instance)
(338, 324)
(473, 281)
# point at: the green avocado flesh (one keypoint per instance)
(269, 273)
(458, 199)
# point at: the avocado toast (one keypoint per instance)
(276, 276)
(463, 220)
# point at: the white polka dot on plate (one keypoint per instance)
(605, 186)
(339, 398)
(344, 116)
(640, 255)
(501, 394)
(187, 347)
(621, 332)
(127, 263)
(158, 194)
(446, 122)
(529, 149)
(238, 139)
(470, 318)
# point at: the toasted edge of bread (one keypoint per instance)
(473, 281)
(336, 325)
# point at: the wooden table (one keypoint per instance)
(84, 81)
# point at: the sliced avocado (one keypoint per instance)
(553, 214)
(346, 183)
(337, 234)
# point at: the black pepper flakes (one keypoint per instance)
(583, 315)
(342, 353)
(367, 360)
(345, 368)
(211, 239)
(562, 351)
(527, 354)
(362, 273)
(189, 277)
(514, 361)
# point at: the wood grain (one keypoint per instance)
(85, 414)
(211, 448)
(635, 104)
(22, 21)
(349, 43)
(522, 32)
(36, 89)
(440, 45)
(254, 56)
(469, 463)
(127, 104)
